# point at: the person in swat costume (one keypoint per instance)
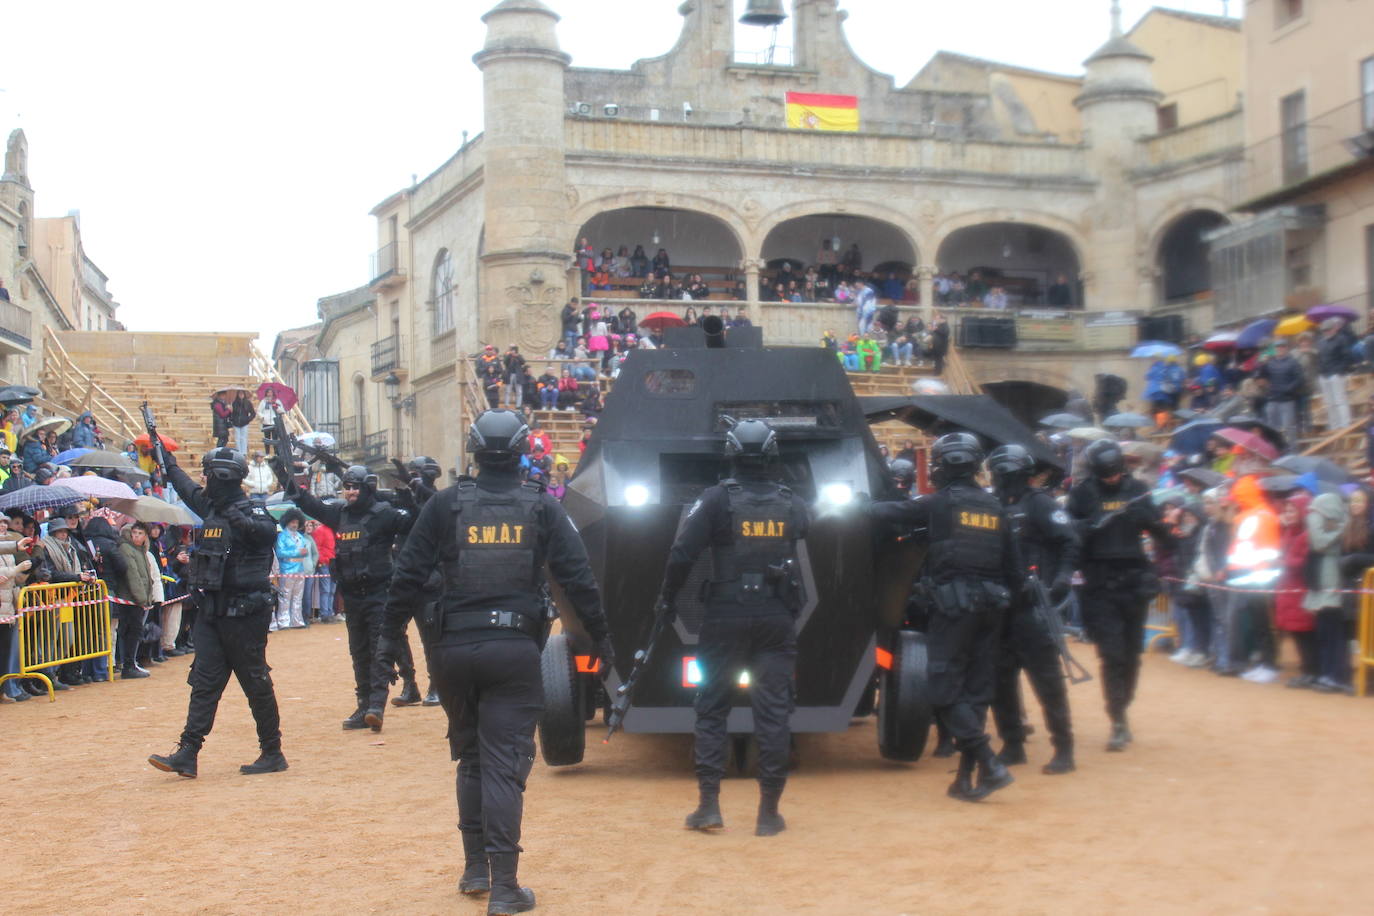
(752, 525)
(1111, 510)
(1049, 548)
(228, 574)
(365, 529)
(491, 538)
(972, 569)
(422, 472)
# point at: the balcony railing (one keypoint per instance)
(386, 262)
(347, 434)
(1282, 165)
(16, 325)
(374, 446)
(386, 355)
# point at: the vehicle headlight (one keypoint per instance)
(837, 494)
(636, 494)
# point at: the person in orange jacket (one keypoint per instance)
(1253, 567)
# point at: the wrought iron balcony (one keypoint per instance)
(386, 355)
(387, 266)
(16, 328)
(375, 447)
(347, 434)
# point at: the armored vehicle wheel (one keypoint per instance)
(563, 726)
(904, 710)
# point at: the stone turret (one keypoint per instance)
(527, 241)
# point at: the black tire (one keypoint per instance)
(563, 726)
(904, 711)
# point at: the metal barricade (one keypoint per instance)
(1364, 651)
(61, 623)
(1160, 622)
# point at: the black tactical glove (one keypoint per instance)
(169, 459)
(664, 608)
(605, 655)
(388, 650)
(1060, 589)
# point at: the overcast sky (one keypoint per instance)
(224, 156)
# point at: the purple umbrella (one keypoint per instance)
(1320, 313)
(1254, 334)
(99, 487)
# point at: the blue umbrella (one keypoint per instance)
(1255, 332)
(70, 455)
(1155, 349)
(1190, 439)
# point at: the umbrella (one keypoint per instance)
(35, 497)
(58, 425)
(1222, 341)
(152, 509)
(660, 320)
(285, 393)
(317, 439)
(1320, 313)
(1127, 421)
(145, 441)
(1089, 432)
(112, 461)
(1293, 324)
(1258, 426)
(1324, 468)
(228, 388)
(18, 394)
(1154, 349)
(69, 454)
(1061, 420)
(100, 487)
(1186, 413)
(977, 413)
(1207, 477)
(1251, 442)
(1191, 437)
(1145, 451)
(1254, 333)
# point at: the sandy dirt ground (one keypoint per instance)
(1235, 798)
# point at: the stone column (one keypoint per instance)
(925, 277)
(752, 267)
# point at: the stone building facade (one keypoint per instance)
(971, 165)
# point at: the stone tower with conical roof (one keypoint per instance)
(1119, 105)
(525, 250)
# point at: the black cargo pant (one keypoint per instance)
(225, 646)
(405, 659)
(363, 615)
(764, 645)
(1114, 612)
(962, 649)
(493, 694)
(1027, 643)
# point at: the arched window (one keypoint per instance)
(442, 292)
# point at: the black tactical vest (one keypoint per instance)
(358, 563)
(499, 559)
(750, 565)
(213, 542)
(224, 562)
(965, 534)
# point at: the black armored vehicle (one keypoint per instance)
(658, 444)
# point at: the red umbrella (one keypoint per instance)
(1222, 341)
(284, 393)
(1251, 442)
(168, 442)
(660, 320)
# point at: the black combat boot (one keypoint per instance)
(1013, 753)
(992, 773)
(962, 788)
(431, 698)
(477, 871)
(507, 896)
(770, 822)
(1121, 735)
(1062, 761)
(355, 721)
(409, 695)
(181, 761)
(707, 816)
(271, 760)
(944, 746)
(373, 718)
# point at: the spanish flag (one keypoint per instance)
(817, 111)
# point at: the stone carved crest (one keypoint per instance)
(536, 315)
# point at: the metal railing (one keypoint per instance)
(374, 446)
(347, 434)
(386, 355)
(1297, 154)
(16, 324)
(386, 261)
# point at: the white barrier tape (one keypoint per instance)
(1269, 591)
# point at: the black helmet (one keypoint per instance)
(751, 439)
(360, 478)
(1007, 460)
(956, 454)
(425, 466)
(498, 434)
(224, 464)
(903, 472)
(1105, 458)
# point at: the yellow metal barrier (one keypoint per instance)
(1364, 657)
(1160, 622)
(59, 624)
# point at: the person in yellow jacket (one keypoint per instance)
(1253, 567)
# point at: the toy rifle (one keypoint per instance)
(154, 440)
(1049, 615)
(625, 692)
(283, 445)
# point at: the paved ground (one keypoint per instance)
(1236, 798)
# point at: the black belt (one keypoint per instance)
(500, 620)
(734, 590)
